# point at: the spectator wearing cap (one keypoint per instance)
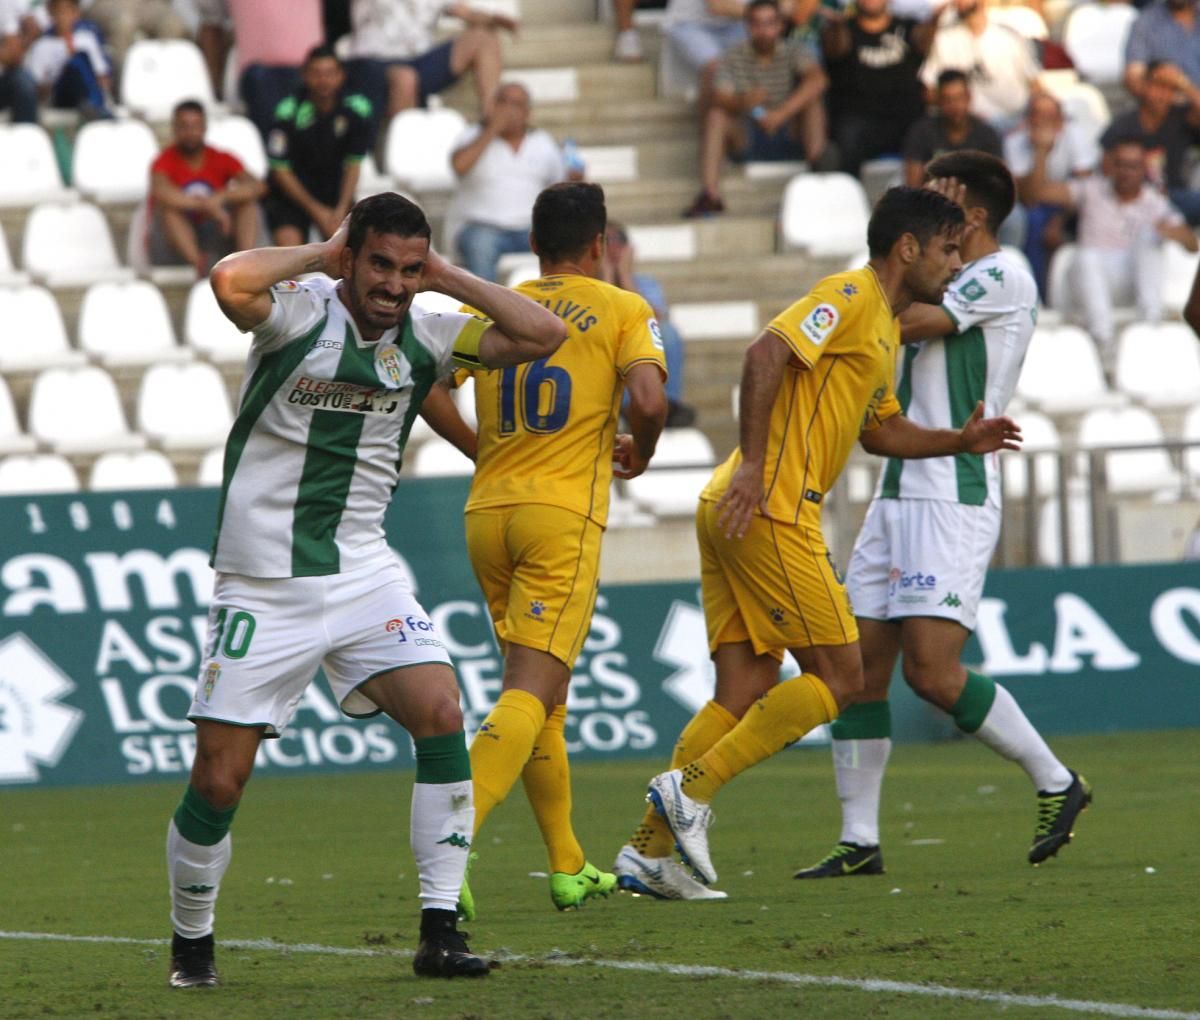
(950, 127)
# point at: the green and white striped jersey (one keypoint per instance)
(993, 303)
(323, 417)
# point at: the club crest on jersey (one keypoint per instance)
(388, 359)
(656, 336)
(819, 323)
(211, 675)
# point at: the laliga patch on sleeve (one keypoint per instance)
(286, 287)
(655, 334)
(819, 323)
(276, 143)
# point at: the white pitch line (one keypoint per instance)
(557, 958)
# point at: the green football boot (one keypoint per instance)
(466, 901)
(569, 891)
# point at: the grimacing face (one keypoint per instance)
(381, 278)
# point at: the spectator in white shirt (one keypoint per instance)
(68, 63)
(1123, 222)
(502, 165)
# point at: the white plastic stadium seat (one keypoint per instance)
(419, 143)
(518, 267)
(1144, 471)
(826, 214)
(1062, 372)
(1179, 270)
(680, 469)
(184, 407)
(1039, 447)
(29, 172)
(12, 439)
(1025, 21)
(1191, 432)
(33, 336)
(1079, 528)
(1058, 279)
(1094, 38)
(238, 135)
(143, 469)
(9, 275)
(1081, 101)
(1159, 365)
(212, 468)
(70, 245)
(78, 411)
(371, 180)
(112, 160)
(127, 324)
(206, 329)
(158, 73)
(437, 458)
(35, 473)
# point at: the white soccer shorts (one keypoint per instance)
(267, 636)
(922, 557)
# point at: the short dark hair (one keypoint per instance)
(1130, 137)
(567, 217)
(950, 76)
(386, 213)
(188, 106)
(988, 181)
(753, 5)
(321, 52)
(917, 211)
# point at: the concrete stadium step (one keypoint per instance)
(629, 122)
(578, 42)
(758, 278)
(566, 85)
(548, 12)
(662, 200)
(721, 236)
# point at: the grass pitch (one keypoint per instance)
(325, 862)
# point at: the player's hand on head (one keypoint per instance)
(334, 248)
(986, 435)
(737, 506)
(949, 187)
(435, 269)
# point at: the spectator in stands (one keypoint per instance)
(1123, 221)
(999, 63)
(122, 21)
(617, 269)
(766, 105)
(502, 165)
(18, 93)
(627, 46)
(401, 34)
(1167, 120)
(214, 36)
(68, 63)
(950, 127)
(699, 31)
(204, 203)
(316, 148)
(872, 58)
(273, 38)
(1166, 31)
(1073, 153)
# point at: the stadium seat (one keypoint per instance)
(1025, 21)
(1058, 280)
(12, 438)
(143, 469)
(518, 267)
(127, 324)
(158, 73)
(1179, 270)
(29, 171)
(238, 135)
(1079, 528)
(437, 458)
(825, 214)
(464, 398)
(1094, 38)
(432, 301)
(207, 331)
(9, 275)
(1062, 372)
(34, 336)
(1159, 365)
(70, 245)
(419, 143)
(371, 180)
(112, 160)
(184, 407)
(212, 467)
(681, 468)
(78, 411)
(1191, 433)
(715, 320)
(30, 474)
(1133, 471)
(1081, 101)
(1039, 457)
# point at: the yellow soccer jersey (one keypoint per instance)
(546, 428)
(844, 340)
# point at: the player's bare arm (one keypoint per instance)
(522, 329)
(647, 415)
(762, 372)
(242, 282)
(441, 414)
(899, 436)
(920, 321)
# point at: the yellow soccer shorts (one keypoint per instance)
(538, 567)
(776, 587)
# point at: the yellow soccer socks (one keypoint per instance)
(652, 838)
(784, 714)
(547, 779)
(501, 748)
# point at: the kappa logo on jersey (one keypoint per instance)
(972, 290)
(820, 323)
(656, 336)
(286, 287)
(996, 274)
(324, 395)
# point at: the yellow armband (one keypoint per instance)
(466, 347)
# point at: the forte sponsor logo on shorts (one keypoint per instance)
(325, 395)
(911, 587)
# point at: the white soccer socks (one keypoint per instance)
(198, 851)
(862, 742)
(443, 818)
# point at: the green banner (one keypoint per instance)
(103, 608)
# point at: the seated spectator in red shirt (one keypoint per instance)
(204, 203)
(952, 127)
